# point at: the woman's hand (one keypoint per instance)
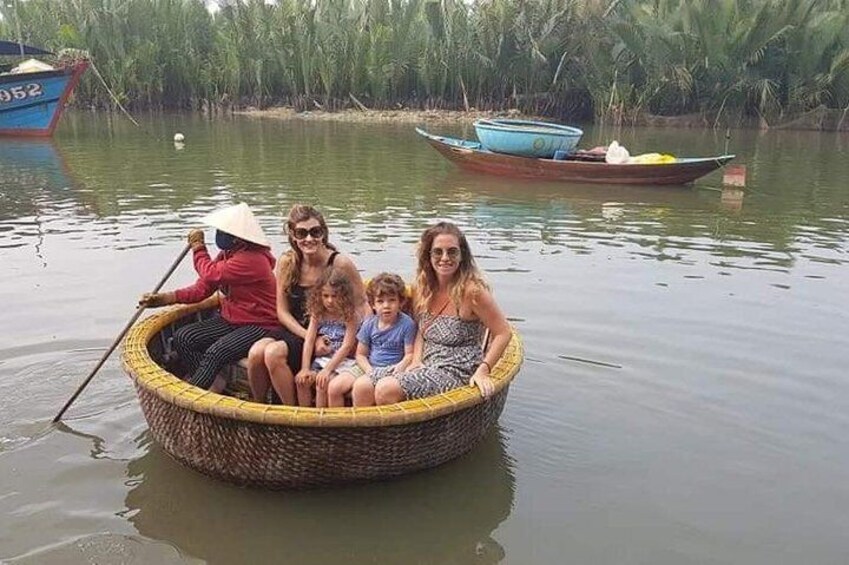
(413, 365)
(323, 379)
(305, 377)
(483, 381)
(195, 239)
(399, 368)
(156, 299)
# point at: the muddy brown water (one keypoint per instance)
(683, 399)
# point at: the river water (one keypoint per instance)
(683, 397)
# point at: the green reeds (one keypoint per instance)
(616, 60)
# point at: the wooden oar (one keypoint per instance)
(590, 361)
(121, 335)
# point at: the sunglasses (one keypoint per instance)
(315, 232)
(438, 252)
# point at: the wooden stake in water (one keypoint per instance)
(20, 36)
(734, 175)
(120, 336)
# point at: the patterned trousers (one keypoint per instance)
(205, 347)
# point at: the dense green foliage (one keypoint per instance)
(613, 58)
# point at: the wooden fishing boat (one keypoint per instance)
(31, 103)
(284, 447)
(527, 138)
(470, 155)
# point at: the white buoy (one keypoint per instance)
(179, 138)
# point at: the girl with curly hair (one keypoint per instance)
(333, 317)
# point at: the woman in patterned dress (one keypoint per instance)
(454, 306)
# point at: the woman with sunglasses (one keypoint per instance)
(275, 362)
(454, 306)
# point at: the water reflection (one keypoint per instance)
(725, 329)
(656, 223)
(445, 515)
(98, 444)
(33, 174)
(33, 164)
(384, 183)
(731, 199)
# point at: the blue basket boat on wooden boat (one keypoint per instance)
(472, 156)
(527, 138)
(31, 101)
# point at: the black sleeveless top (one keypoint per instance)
(298, 297)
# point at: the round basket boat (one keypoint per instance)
(526, 138)
(285, 447)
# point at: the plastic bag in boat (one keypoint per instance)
(31, 66)
(616, 154)
(652, 159)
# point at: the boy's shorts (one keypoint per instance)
(381, 372)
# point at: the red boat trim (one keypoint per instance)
(79, 69)
(26, 132)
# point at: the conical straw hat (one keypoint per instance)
(238, 220)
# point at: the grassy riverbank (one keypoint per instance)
(615, 62)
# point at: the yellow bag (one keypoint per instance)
(652, 159)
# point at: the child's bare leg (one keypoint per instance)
(258, 378)
(320, 396)
(282, 379)
(304, 394)
(338, 388)
(363, 392)
(388, 391)
(219, 384)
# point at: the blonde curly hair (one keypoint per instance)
(337, 280)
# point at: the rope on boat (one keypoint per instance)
(112, 94)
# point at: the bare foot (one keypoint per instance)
(219, 384)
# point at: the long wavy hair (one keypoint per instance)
(297, 214)
(467, 278)
(337, 280)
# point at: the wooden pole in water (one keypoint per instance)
(121, 335)
(20, 36)
(734, 175)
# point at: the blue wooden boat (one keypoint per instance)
(32, 103)
(526, 138)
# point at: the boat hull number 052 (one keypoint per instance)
(31, 90)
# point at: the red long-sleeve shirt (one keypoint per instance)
(246, 280)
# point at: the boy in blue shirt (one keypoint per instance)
(385, 340)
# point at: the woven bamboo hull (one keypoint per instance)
(283, 457)
(282, 447)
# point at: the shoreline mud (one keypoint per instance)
(407, 116)
(817, 120)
